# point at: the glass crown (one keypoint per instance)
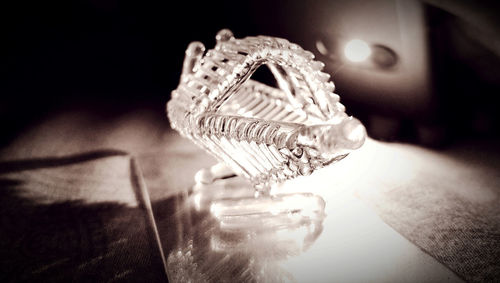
(263, 133)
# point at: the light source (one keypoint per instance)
(357, 50)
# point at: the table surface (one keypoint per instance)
(393, 212)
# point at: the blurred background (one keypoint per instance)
(425, 72)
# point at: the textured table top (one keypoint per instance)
(393, 212)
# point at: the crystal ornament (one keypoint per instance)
(263, 133)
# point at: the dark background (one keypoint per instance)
(61, 52)
(122, 53)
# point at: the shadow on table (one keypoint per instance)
(74, 240)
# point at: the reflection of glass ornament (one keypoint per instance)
(277, 227)
(265, 134)
(181, 265)
(246, 239)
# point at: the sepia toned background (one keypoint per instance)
(96, 186)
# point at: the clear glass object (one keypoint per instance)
(266, 134)
(231, 236)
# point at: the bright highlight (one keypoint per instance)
(357, 50)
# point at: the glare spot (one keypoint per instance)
(357, 50)
(321, 47)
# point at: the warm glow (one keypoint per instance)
(321, 47)
(357, 50)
